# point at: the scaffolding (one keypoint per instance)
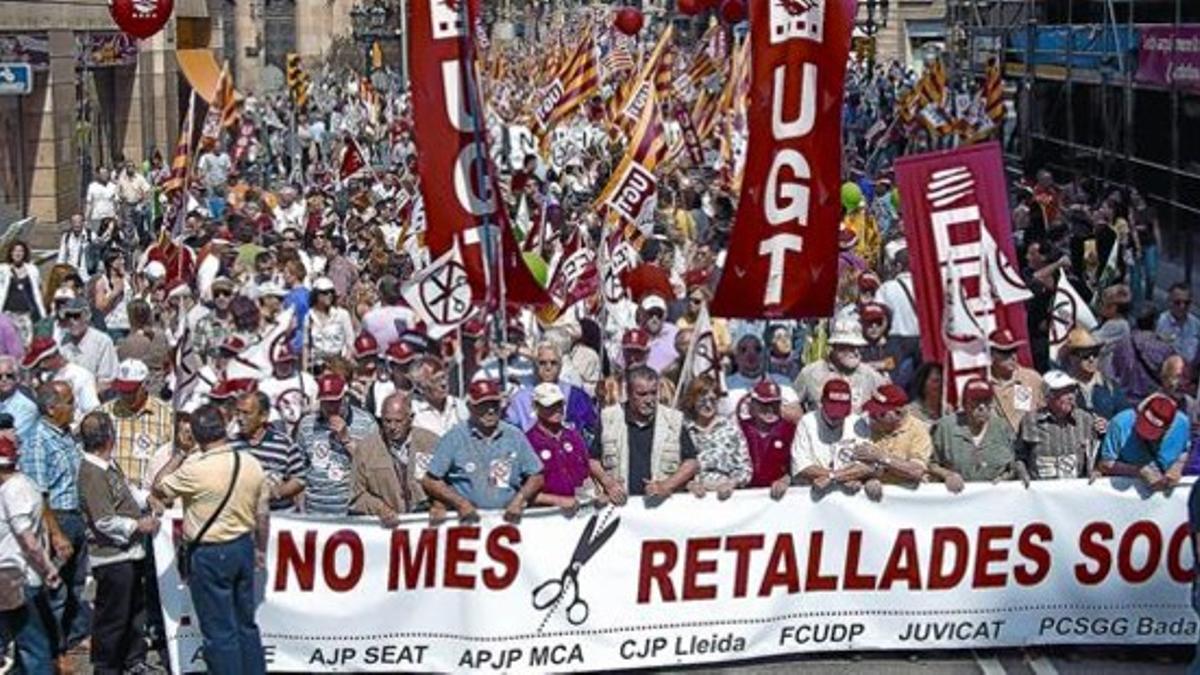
(1070, 69)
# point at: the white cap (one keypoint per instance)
(654, 302)
(323, 284)
(894, 247)
(547, 394)
(1057, 380)
(847, 333)
(131, 373)
(64, 293)
(154, 270)
(271, 289)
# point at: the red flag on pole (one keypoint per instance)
(353, 162)
(460, 190)
(782, 259)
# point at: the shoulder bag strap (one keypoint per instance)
(237, 465)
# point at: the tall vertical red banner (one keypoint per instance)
(458, 186)
(961, 253)
(782, 259)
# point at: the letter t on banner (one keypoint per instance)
(783, 255)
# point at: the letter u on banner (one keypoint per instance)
(782, 259)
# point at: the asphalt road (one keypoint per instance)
(1064, 661)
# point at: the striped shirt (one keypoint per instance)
(138, 435)
(281, 459)
(52, 463)
(1052, 449)
(328, 478)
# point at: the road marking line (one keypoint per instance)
(988, 664)
(1042, 666)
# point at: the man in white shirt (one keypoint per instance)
(292, 393)
(824, 442)
(290, 213)
(101, 199)
(133, 191)
(49, 365)
(72, 248)
(436, 411)
(898, 294)
(85, 346)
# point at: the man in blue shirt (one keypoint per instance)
(484, 463)
(1149, 442)
(1178, 326)
(52, 462)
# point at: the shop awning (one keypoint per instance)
(201, 69)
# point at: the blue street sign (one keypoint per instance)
(15, 79)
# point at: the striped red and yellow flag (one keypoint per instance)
(183, 152)
(626, 102)
(222, 112)
(580, 81)
(933, 85)
(647, 149)
(993, 92)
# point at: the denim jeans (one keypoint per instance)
(30, 628)
(72, 614)
(222, 588)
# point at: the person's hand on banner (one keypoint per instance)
(697, 488)
(615, 492)
(822, 482)
(954, 482)
(516, 507)
(725, 490)
(1022, 473)
(873, 489)
(780, 487)
(657, 489)
(1095, 474)
(437, 514)
(467, 513)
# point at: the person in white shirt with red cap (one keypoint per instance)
(48, 364)
(822, 451)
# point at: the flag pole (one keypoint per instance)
(483, 175)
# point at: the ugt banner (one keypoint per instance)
(694, 581)
(461, 196)
(782, 259)
(961, 253)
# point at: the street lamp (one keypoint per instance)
(375, 21)
(877, 18)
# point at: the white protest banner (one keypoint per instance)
(699, 580)
(440, 294)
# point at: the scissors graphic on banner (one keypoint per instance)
(550, 594)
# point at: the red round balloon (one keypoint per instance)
(141, 18)
(629, 21)
(689, 7)
(733, 11)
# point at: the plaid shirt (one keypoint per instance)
(139, 435)
(52, 463)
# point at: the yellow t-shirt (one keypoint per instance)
(202, 481)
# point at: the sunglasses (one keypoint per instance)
(8, 376)
(70, 316)
(1088, 354)
(486, 407)
(222, 294)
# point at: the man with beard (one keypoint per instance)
(845, 362)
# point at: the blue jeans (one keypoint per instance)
(222, 587)
(72, 614)
(30, 627)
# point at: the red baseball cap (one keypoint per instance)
(1004, 340)
(766, 391)
(233, 345)
(8, 452)
(872, 311)
(400, 352)
(868, 281)
(484, 390)
(977, 389)
(1154, 416)
(836, 399)
(41, 348)
(635, 338)
(366, 346)
(331, 387)
(886, 398)
(227, 389)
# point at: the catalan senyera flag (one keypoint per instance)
(993, 92)
(222, 112)
(706, 114)
(630, 194)
(618, 60)
(933, 85)
(627, 103)
(183, 152)
(703, 67)
(580, 81)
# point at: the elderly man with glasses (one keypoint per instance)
(85, 345)
(1178, 326)
(1097, 393)
(484, 463)
(580, 410)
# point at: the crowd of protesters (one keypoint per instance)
(355, 410)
